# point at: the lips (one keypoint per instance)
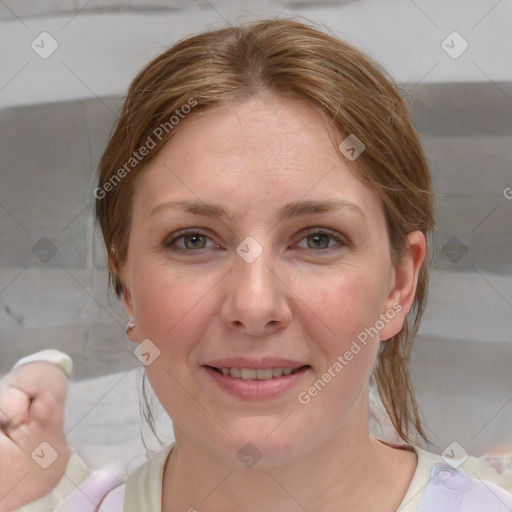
(256, 378)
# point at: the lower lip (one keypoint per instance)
(255, 388)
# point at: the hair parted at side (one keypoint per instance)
(353, 93)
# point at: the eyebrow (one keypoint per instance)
(288, 211)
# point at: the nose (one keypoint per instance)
(258, 300)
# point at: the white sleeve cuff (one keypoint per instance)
(50, 355)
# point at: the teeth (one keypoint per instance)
(264, 374)
(277, 372)
(247, 374)
(252, 374)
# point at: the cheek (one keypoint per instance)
(346, 307)
(173, 310)
(166, 301)
(345, 304)
(346, 312)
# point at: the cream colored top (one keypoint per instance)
(142, 491)
(143, 488)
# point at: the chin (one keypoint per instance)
(260, 442)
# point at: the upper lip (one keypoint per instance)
(256, 364)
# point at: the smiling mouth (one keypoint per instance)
(259, 374)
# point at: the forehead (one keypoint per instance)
(253, 154)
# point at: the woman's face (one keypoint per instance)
(275, 281)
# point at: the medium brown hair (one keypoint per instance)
(353, 93)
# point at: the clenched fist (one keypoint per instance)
(33, 451)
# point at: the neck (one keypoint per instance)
(354, 472)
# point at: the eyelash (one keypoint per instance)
(168, 243)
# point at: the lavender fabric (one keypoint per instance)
(88, 496)
(450, 489)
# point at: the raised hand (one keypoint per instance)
(33, 451)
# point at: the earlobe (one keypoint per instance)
(131, 326)
(403, 285)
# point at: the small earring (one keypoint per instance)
(130, 325)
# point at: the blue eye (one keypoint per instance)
(192, 240)
(321, 239)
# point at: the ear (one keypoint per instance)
(403, 283)
(126, 298)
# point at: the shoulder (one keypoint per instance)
(497, 469)
(467, 484)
